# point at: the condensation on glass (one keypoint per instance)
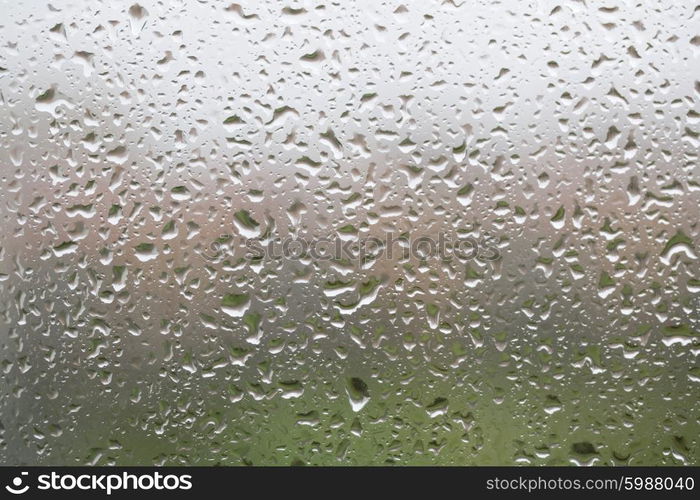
(151, 154)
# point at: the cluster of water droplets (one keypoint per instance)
(142, 145)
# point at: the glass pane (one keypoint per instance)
(349, 233)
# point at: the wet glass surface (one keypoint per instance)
(349, 233)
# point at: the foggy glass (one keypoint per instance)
(351, 232)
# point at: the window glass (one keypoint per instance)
(360, 232)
